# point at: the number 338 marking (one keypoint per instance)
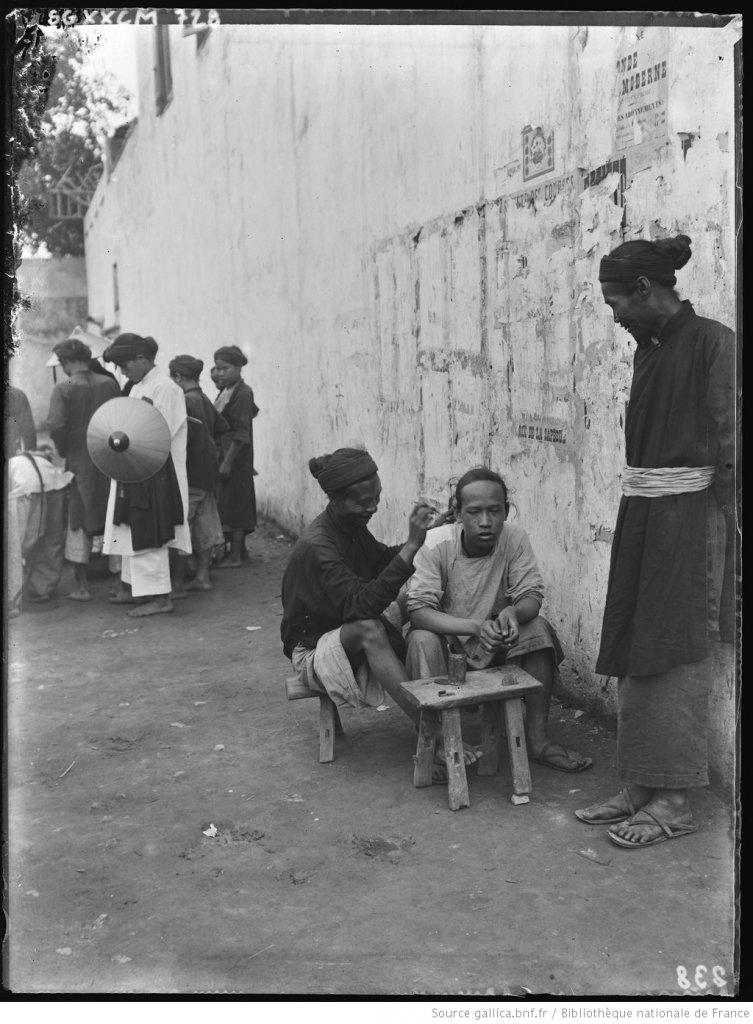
(700, 979)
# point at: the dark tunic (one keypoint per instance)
(336, 575)
(236, 496)
(72, 404)
(681, 413)
(206, 428)
(152, 508)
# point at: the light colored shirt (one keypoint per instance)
(448, 580)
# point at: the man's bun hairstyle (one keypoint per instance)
(677, 248)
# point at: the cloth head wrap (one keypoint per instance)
(188, 366)
(231, 354)
(342, 468)
(130, 346)
(640, 258)
(73, 349)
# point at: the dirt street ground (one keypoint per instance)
(128, 739)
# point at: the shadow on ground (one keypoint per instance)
(129, 739)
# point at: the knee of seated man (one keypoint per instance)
(372, 630)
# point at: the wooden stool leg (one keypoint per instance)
(516, 742)
(491, 728)
(457, 783)
(338, 722)
(327, 718)
(428, 734)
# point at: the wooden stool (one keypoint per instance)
(329, 717)
(499, 691)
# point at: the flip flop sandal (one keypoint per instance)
(625, 793)
(667, 831)
(543, 759)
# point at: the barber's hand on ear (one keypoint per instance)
(443, 518)
(419, 522)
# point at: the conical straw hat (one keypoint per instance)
(128, 439)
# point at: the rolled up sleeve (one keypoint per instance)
(426, 587)
(523, 577)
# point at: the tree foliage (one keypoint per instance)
(61, 125)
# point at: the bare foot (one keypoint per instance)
(470, 754)
(562, 759)
(79, 595)
(199, 585)
(178, 595)
(228, 563)
(151, 608)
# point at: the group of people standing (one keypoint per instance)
(195, 512)
(360, 618)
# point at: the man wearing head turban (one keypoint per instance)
(72, 404)
(670, 599)
(338, 585)
(146, 520)
(205, 430)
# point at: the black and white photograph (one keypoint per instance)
(372, 511)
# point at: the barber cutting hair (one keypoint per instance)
(340, 581)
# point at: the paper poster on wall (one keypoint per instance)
(641, 84)
(538, 152)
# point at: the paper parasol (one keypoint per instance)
(128, 440)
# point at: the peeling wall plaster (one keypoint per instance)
(348, 205)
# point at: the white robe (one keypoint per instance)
(168, 399)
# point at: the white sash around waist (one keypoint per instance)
(657, 483)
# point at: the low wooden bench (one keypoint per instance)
(500, 691)
(329, 717)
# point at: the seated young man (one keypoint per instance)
(338, 583)
(476, 583)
